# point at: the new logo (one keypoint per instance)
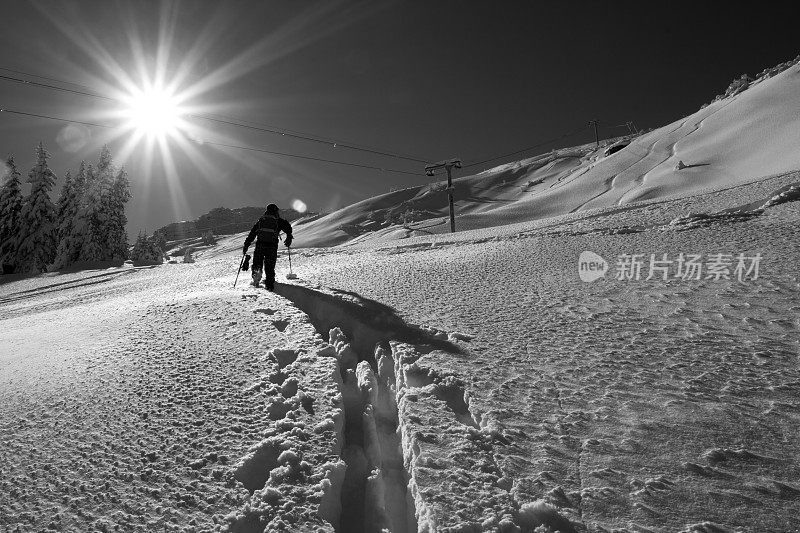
(591, 266)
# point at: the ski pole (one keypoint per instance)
(237, 272)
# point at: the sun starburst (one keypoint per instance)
(154, 112)
(158, 101)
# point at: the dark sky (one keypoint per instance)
(426, 79)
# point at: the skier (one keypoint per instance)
(266, 230)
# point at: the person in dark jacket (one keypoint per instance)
(266, 232)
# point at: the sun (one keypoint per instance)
(154, 112)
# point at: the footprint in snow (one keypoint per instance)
(280, 325)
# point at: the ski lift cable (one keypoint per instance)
(320, 159)
(543, 143)
(288, 133)
(256, 127)
(46, 78)
(539, 145)
(23, 113)
(215, 117)
(325, 140)
(225, 120)
(249, 148)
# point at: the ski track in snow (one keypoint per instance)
(469, 385)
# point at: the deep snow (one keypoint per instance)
(438, 382)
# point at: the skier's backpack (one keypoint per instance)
(268, 229)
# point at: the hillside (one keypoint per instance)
(737, 139)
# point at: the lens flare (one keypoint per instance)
(73, 137)
(299, 205)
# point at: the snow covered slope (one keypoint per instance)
(449, 383)
(468, 382)
(735, 140)
(628, 404)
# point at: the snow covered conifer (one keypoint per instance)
(146, 251)
(77, 236)
(78, 229)
(160, 239)
(10, 210)
(36, 245)
(66, 211)
(64, 197)
(102, 213)
(103, 219)
(116, 235)
(79, 181)
(90, 219)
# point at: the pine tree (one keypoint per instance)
(64, 197)
(36, 244)
(160, 239)
(10, 211)
(117, 237)
(146, 251)
(91, 219)
(102, 213)
(66, 209)
(139, 249)
(80, 222)
(78, 225)
(104, 216)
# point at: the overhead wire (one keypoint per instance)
(55, 87)
(225, 120)
(5, 69)
(236, 146)
(255, 126)
(289, 133)
(310, 158)
(4, 110)
(538, 145)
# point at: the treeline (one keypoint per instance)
(86, 225)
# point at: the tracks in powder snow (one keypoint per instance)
(415, 454)
(374, 494)
(374, 429)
